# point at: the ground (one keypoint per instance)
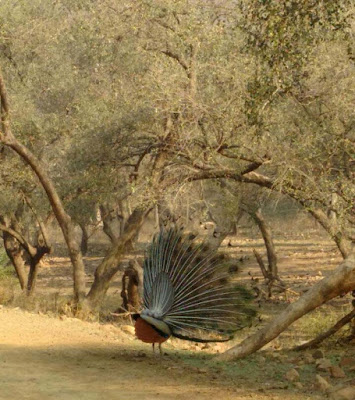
(48, 358)
(55, 356)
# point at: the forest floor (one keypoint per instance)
(59, 357)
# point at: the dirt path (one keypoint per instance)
(48, 358)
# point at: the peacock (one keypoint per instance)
(189, 293)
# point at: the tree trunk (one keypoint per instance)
(62, 217)
(123, 214)
(64, 220)
(17, 246)
(260, 261)
(107, 220)
(84, 239)
(332, 214)
(235, 223)
(15, 254)
(341, 281)
(32, 277)
(164, 215)
(130, 289)
(331, 227)
(269, 244)
(35, 261)
(222, 229)
(218, 236)
(234, 231)
(112, 262)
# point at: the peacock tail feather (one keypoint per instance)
(188, 289)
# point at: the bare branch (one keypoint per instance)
(251, 167)
(260, 261)
(38, 219)
(177, 58)
(3, 96)
(23, 242)
(250, 177)
(163, 24)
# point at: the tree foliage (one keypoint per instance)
(136, 102)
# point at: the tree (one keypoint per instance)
(64, 220)
(270, 272)
(138, 101)
(19, 249)
(293, 104)
(299, 126)
(24, 76)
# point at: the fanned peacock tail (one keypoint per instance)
(189, 287)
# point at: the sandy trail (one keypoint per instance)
(47, 358)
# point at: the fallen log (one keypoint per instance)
(341, 281)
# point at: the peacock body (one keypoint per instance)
(189, 293)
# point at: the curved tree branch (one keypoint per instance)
(23, 242)
(41, 224)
